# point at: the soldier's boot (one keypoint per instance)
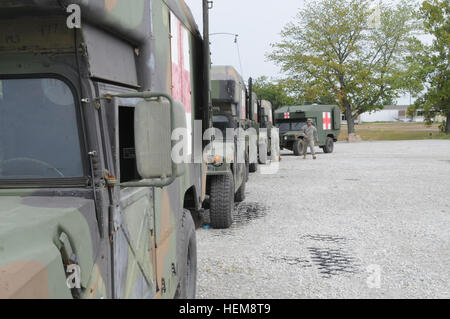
(304, 156)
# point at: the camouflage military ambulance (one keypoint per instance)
(291, 119)
(227, 173)
(91, 203)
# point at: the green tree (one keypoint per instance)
(275, 92)
(435, 65)
(332, 49)
(280, 94)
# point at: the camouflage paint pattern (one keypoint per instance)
(142, 225)
(229, 96)
(267, 109)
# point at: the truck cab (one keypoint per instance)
(91, 203)
(228, 167)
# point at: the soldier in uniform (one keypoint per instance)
(311, 137)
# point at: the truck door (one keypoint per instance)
(134, 232)
(337, 118)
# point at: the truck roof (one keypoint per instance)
(225, 73)
(132, 23)
(227, 85)
(306, 108)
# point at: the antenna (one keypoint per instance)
(236, 36)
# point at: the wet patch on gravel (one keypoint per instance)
(292, 261)
(246, 212)
(329, 254)
(333, 261)
(243, 214)
(326, 238)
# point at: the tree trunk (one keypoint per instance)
(447, 126)
(350, 120)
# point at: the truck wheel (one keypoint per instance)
(253, 168)
(298, 148)
(329, 146)
(222, 201)
(187, 258)
(240, 195)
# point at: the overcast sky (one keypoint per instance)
(258, 23)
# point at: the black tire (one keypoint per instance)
(187, 258)
(222, 201)
(240, 194)
(329, 146)
(253, 168)
(298, 147)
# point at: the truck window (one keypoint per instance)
(39, 135)
(297, 126)
(222, 123)
(128, 166)
(284, 126)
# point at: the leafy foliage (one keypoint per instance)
(332, 50)
(275, 92)
(434, 61)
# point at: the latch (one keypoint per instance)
(163, 286)
(110, 179)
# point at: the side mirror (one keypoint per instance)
(153, 125)
(153, 132)
(155, 118)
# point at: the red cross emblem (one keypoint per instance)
(287, 116)
(181, 77)
(181, 71)
(327, 121)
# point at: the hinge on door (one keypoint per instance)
(174, 269)
(163, 286)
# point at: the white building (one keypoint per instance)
(390, 113)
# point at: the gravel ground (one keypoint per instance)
(371, 220)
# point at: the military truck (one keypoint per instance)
(291, 119)
(267, 133)
(256, 122)
(259, 145)
(229, 165)
(91, 203)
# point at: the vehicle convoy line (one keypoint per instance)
(87, 147)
